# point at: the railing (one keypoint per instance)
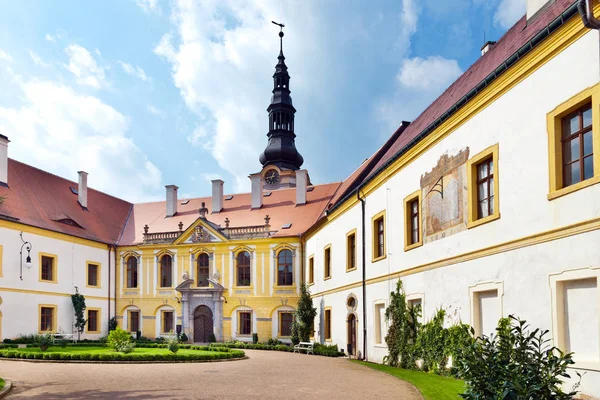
(161, 237)
(256, 231)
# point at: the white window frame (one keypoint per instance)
(474, 300)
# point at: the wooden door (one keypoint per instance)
(351, 335)
(203, 324)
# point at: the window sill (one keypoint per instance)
(588, 365)
(131, 289)
(573, 188)
(327, 278)
(165, 288)
(350, 269)
(243, 288)
(374, 260)
(310, 284)
(244, 335)
(93, 287)
(47, 281)
(93, 332)
(380, 346)
(44, 332)
(328, 340)
(413, 246)
(284, 287)
(481, 221)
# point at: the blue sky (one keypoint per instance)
(146, 93)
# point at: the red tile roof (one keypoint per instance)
(280, 206)
(521, 33)
(39, 198)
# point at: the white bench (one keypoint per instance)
(305, 346)
(59, 336)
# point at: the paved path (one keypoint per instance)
(265, 375)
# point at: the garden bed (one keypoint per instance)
(139, 354)
(319, 349)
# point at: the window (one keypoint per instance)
(93, 275)
(166, 271)
(285, 323)
(327, 262)
(168, 321)
(243, 269)
(284, 268)
(412, 216)
(93, 320)
(577, 146)
(486, 307)
(311, 270)
(576, 315)
(203, 270)
(47, 318)
(482, 184)
(134, 321)
(574, 143)
(351, 250)
(132, 272)
(48, 268)
(327, 329)
(414, 301)
(378, 237)
(379, 323)
(245, 323)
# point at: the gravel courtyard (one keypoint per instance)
(265, 375)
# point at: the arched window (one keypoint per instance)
(203, 270)
(166, 271)
(284, 268)
(243, 269)
(132, 272)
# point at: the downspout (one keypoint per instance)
(586, 10)
(108, 320)
(364, 272)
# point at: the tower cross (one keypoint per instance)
(281, 26)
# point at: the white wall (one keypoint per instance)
(517, 123)
(20, 298)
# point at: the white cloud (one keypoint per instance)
(208, 177)
(5, 56)
(85, 68)
(50, 38)
(509, 12)
(430, 74)
(156, 111)
(149, 6)
(37, 60)
(135, 71)
(62, 132)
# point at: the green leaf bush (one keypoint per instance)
(173, 345)
(126, 347)
(117, 338)
(516, 363)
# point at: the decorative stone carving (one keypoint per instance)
(216, 276)
(185, 276)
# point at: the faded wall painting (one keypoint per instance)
(444, 192)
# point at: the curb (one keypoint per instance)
(6, 389)
(30, 360)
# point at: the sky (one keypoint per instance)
(146, 93)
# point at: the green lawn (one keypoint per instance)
(105, 350)
(431, 386)
(2, 383)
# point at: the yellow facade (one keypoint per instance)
(263, 296)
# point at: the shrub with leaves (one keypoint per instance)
(517, 363)
(44, 341)
(402, 333)
(304, 317)
(126, 347)
(79, 307)
(172, 344)
(112, 324)
(432, 343)
(117, 338)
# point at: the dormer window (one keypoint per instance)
(69, 221)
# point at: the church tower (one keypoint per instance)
(280, 159)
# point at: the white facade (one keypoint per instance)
(502, 267)
(21, 299)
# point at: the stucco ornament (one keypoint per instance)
(185, 276)
(216, 276)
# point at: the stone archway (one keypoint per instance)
(203, 324)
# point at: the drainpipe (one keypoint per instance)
(109, 247)
(364, 273)
(586, 10)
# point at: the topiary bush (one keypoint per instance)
(117, 338)
(515, 364)
(173, 345)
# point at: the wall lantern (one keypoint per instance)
(28, 264)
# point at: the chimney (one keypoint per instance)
(487, 46)
(82, 189)
(301, 183)
(171, 200)
(4, 160)
(217, 195)
(257, 197)
(535, 6)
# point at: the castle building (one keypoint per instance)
(486, 205)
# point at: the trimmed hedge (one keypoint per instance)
(229, 354)
(319, 349)
(9, 346)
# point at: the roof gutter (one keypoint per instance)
(509, 62)
(586, 10)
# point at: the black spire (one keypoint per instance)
(281, 149)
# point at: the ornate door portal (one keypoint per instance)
(203, 324)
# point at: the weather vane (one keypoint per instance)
(281, 26)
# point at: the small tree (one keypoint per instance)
(304, 317)
(79, 307)
(402, 333)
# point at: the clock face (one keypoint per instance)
(272, 177)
